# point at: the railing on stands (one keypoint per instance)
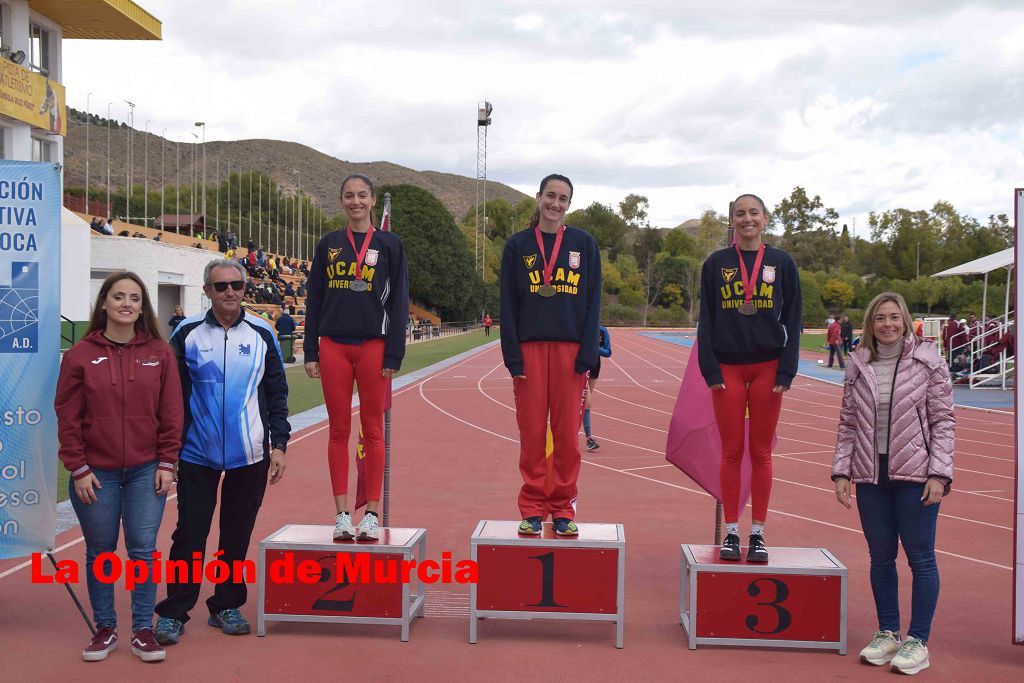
(979, 361)
(93, 207)
(425, 332)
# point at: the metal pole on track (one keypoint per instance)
(718, 523)
(81, 610)
(387, 466)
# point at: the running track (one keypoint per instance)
(455, 453)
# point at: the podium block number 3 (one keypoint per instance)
(783, 617)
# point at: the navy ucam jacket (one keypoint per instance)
(236, 395)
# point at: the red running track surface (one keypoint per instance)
(455, 462)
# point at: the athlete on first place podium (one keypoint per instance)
(550, 307)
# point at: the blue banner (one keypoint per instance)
(30, 208)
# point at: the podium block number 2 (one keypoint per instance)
(325, 603)
(784, 618)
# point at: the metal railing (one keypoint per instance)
(978, 360)
(424, 331)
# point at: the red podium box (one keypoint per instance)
(332, 597)
(548, 577)
(796, 600)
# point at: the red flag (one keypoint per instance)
(694, 445)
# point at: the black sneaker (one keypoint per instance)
(756, 552)
(564, 526)
(730, 548)
(592, 445)
(531, 526)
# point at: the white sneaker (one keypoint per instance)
(368, 528)
(883, 647)
(343, 529)
(911, 658)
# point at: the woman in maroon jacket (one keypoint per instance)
(120, 417)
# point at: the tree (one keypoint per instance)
(713, 229)
(837, 293)
(648, 245)
(604, 224)
(633, 210)
(441, 269)
(808, 230)
(678, 243)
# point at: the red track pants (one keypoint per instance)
(340, 365)
(747, 386)
(551, 386)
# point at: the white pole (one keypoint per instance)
(110, 211)
(163, 185)
(88, 115)
(145, 172)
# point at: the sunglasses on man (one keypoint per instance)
(236, 285)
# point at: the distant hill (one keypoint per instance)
(320, 173)
(690, 227)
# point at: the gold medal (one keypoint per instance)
(358, 285)
(546, 290)
(747, 308)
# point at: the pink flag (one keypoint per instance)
(694, 445)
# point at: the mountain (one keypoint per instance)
(320, 174)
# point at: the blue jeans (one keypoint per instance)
(128, 494)
(892, 511)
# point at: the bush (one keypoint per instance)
(619, 314)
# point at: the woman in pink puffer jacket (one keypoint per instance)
(895, 442)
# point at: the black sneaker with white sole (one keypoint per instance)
(756, 552)
(730, 548)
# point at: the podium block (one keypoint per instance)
(547, 576)
(304, 575)
(797, 600)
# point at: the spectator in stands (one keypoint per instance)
(179, 315)
(251, 260)
(139, 234)
(835, 344)
(218, 447)
(230, 254)
(232, 240)
(288, 289)
(120, 473)
(301, 291)
(250, 246)
(158, 237)
(285, 323)
(919, 327)
(261, 256)
(110, 226)
(354, 336)
(304, 268)
(951, 328)
(846, 328)
(896, 443)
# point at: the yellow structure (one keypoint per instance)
(32, 101)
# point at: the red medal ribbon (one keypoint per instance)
(749, 283)
(549, 266)
(360, 253)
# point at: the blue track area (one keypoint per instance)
(990, 399)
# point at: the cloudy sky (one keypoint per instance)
(871, 104)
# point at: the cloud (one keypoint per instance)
(870, 104)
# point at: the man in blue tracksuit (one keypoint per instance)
(236, 424)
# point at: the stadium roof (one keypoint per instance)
(100, 19)
(980, 266)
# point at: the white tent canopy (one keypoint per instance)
(979, 266)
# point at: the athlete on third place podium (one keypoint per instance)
(356, 309)
(748, 348)
(550, 307)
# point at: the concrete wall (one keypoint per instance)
(75, 244)
(165, 268)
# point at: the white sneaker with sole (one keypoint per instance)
(368, 528)
(343, 529)
(883, 647)
(911, 658)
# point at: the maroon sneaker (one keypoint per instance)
(102, 644)
(145, 647)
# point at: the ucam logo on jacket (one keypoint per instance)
(236, 395)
